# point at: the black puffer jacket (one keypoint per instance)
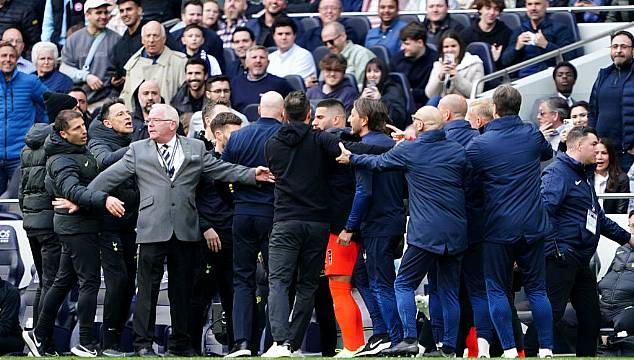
(35, 202)
(617, 286)
(21, 15)
(108, 147)
(69, 169)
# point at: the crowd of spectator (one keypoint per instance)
(101, 103)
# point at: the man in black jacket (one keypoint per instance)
(130, 12)
(20, 15)
(10, 340)
(110, 136)
(69, 169)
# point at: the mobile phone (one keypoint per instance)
(449, 58)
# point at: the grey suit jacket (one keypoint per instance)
(169, 206)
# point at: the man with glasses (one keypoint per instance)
(168, 168)
(612, 99)
(552, 113)
(578, 221)
(336, 40)
(329, 11)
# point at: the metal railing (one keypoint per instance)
(558, 53)
(473, 11)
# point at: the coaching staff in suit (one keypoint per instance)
(168, 168)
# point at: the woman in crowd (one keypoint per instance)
(378, 86)
(579, 113)
(44, 56)
(335, 84)
(455, 71)
(609, 178)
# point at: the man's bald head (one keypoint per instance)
(153, 38)
(149, 94)
(14, 37)
(428, 118)
(271, 105)
(453, 107)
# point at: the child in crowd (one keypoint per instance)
(193, 39)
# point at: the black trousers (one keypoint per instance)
(565, 279)
(213, 272)
(79, 261)
(118, 260)
(46, 251)
(11, 344)
(250, 236)
(294, 245)
(624, 321)
(325, 313)
(179, 255)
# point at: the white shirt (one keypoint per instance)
(295, 61)
(25, 66)
(176, 153)
(600, 183)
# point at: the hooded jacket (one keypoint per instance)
(500, 35)
(567, 195)
(108, 147)
(468, 70)
(69, 170)
(35, 202)
(506, 159)
(301, 158)
(617, 286)
(21, 105)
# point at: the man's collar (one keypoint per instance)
(170, 143)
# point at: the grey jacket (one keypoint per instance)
(168, 207)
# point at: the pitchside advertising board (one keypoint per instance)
(10, 228)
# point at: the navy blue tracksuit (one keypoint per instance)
(377, 211)
(435, 169)
(252, 220)
(461, 132)
(506, 159)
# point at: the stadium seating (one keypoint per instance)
(296, 82)
(251, 112)
(360, 25)
(229, 55)
(318, 54)
(310, 23)
(401, 79)
(512, 20)
(11, 266)
(381, 52)
(463, 19)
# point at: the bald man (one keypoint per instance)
(335, 39)
(453, 109)
(436, 170)
(253, 217)
(14, 37)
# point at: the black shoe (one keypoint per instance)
(181, 353)
(240, 348)
(407, 347)
(441, 353)
(146, 352)
(375, 344)
(35, 345)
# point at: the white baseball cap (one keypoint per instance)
(93, 4)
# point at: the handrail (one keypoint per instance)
(473, 11)
(551, 54)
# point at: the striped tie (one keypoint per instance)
(168, 160)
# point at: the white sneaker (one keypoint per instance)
(277, 351)
(510, 354)
(84, 351)
(345, 353)
(483, 348)
(545, 353)
(421, 351)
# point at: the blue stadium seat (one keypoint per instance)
(296, 82)
(352, 80)
(318, 54)
(360, 25)
(512, 20)
(310, 23)
(229, 55)
(401, 79)
(381, 52)
(251, 112)
(569, 20)
(11, 265)
(482, 50)
(271, 49)
(463, 19)
(409, 18)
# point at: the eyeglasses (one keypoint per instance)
(218, 91)
(580, 115)
(331, 42)
(619, 46)
(414, 118)
(154, 120)
(330, 8)
(542, 113)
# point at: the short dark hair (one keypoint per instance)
(479, 4)
(216, 78)
(507, 100)
(624, 33)
(414, 31)
(284, 21)
(558, 105)
(572, 68)
(197, 61)
(582, 103)
(193, 26)
(224, 118)
(375, 111)
(77, 89)
(630, 214)
(137, 2)
(296, 106)
(186, 3)
(577, 133)
(105, 108)
(64, 117)
(332, 103)
(333, 62)
(385, 72)
(243, 29)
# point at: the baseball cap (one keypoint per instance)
(93, 4)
